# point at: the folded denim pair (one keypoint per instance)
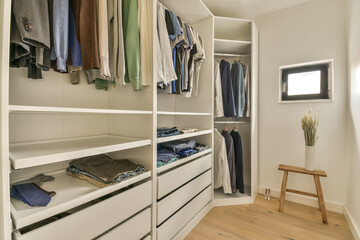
(166, 132)
(187, 153)
(104, 169)
(178, 146)
(164, 155)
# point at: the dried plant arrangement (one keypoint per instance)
(309, 125)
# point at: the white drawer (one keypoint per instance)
(96, 219)
(170, 204)
(177, 177)
(133, 229)
(174, 224)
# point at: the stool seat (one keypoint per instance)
(316, 174)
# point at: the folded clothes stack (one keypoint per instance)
(169, 152)
(166, 132)
(30, 192)
(102, 171)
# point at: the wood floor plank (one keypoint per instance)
(262, 221)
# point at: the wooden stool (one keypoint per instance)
(317, 174)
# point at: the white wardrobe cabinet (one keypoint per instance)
(48, 122)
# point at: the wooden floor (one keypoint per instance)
(263, 221)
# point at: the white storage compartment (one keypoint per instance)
(94, 220)
(133, 229)
(180, 197)
(177, 177)
(169, 228)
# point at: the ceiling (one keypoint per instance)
(249, 9)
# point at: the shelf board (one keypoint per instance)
(183, 113)
(70, 192)
(232, 28)
(197, 12)
(182, 161)
(232, 46)
(39, 109)
(182, 136)
(222, 199)
(30, 154)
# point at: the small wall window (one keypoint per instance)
(307, 81)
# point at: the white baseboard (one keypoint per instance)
(309, 201)
(354, 228)
(193, 222)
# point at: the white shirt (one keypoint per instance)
(221, 165)
(219, 107)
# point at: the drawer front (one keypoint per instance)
(180, 197)
(174, 224)
(177, 177)
(94, 220)
(133, 229)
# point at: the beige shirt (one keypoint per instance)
(221, 165)
(219, 107)
(103, 36)
(144, 20)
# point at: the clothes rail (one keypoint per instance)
(230, 55)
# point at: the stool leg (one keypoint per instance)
(321, 199)
(283, 191)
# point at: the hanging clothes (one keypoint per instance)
(199, 58)
(166, 70)
(131, 43)
(221, 165)
(239, 165)
(103, 37)
(247, 90)
(231, 158)
(237, 76)
(219, 107)
(227, 89)
(86, 31)
(145, 41)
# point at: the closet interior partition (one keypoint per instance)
(46, 123)
(237, 40)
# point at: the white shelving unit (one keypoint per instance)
(236, 39)
(30, 154)
(160, 113)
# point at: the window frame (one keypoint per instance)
(326, 81)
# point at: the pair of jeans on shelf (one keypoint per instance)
(178, 146)
(164, 155)
(187, 153)
(105, 169)
(166, 132)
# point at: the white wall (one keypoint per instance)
(310, 32)
(353, 197)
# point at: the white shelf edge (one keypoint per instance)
(232, 41)
(182, 161)
(182, 136)
(23, 108)
(232, 201)
(183, 113)
(233, 19)
(18, 163)
(27, 220)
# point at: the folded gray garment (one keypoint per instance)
(103, 167)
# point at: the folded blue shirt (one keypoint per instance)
(30, 195)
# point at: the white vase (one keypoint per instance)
(310, 159)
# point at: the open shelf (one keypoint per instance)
(232, 28)
(182, 136)
(39, 109)
(232, 46)
(182, 161)
(70, 192)
(183, 113)
(30, 154)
